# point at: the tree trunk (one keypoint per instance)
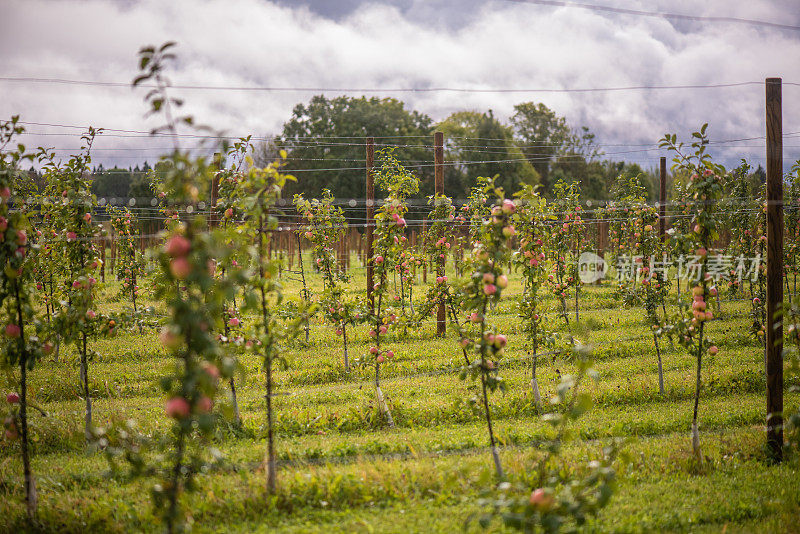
(271, 463)
(695, 433)
(537, 398)
(344, 339)
(272, 466)
(85, 383)
(30, 484)
(495, 454)
(660, 367)
(303, 277)
(176, 485)
(237, 418)
(381, 401)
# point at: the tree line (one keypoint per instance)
(324, 140)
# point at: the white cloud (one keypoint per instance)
(496, 44)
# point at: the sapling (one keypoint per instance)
(740, 210)
(76, 320)
(390, 226)
(20, 343)
(566, 241)
(484, 287)
(530, 221)
(270, 331)
(705, 190)
(650, 268)
(129, 265)
(629, 197)
(195, 298)
(228, 182)
(323, 224)
(437, 245)
(439, 237)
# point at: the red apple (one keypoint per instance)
(541, 499)
(177, 408)
(204, 404)
(12, 330)
(180, 268)
(178, 246)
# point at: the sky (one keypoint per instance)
(381, 44)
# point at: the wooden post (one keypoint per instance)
(370, 203)
(774, 356)
(438, 157)
(662, 202)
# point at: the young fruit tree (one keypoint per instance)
(648, 265)
(130, 266)
(323, 225)
(553, 495)
(21, 344)
(76, 320)
(705, 191)
(566, 241)
(436, 247)
(390, 226)
(270, 331)
(228, 219)
(482, 289)
(530, 221)
(194, 298)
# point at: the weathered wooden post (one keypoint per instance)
(774, 356)
(438, 157)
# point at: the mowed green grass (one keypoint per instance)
(343, 471)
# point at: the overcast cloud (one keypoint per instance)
(396, 43)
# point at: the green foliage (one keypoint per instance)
(271, 331)
(484, 288)
(388, 246)
(350, 120)
(323, 226)
(548, 497)
(195, 298)
(531, 221)
(481, 145)
(19, 347)
(130, 266)
(704, 191)
(567, 241)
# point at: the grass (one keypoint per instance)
(341, 470)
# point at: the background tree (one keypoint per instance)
(480, 145)
(543, 137)
(329, 134)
